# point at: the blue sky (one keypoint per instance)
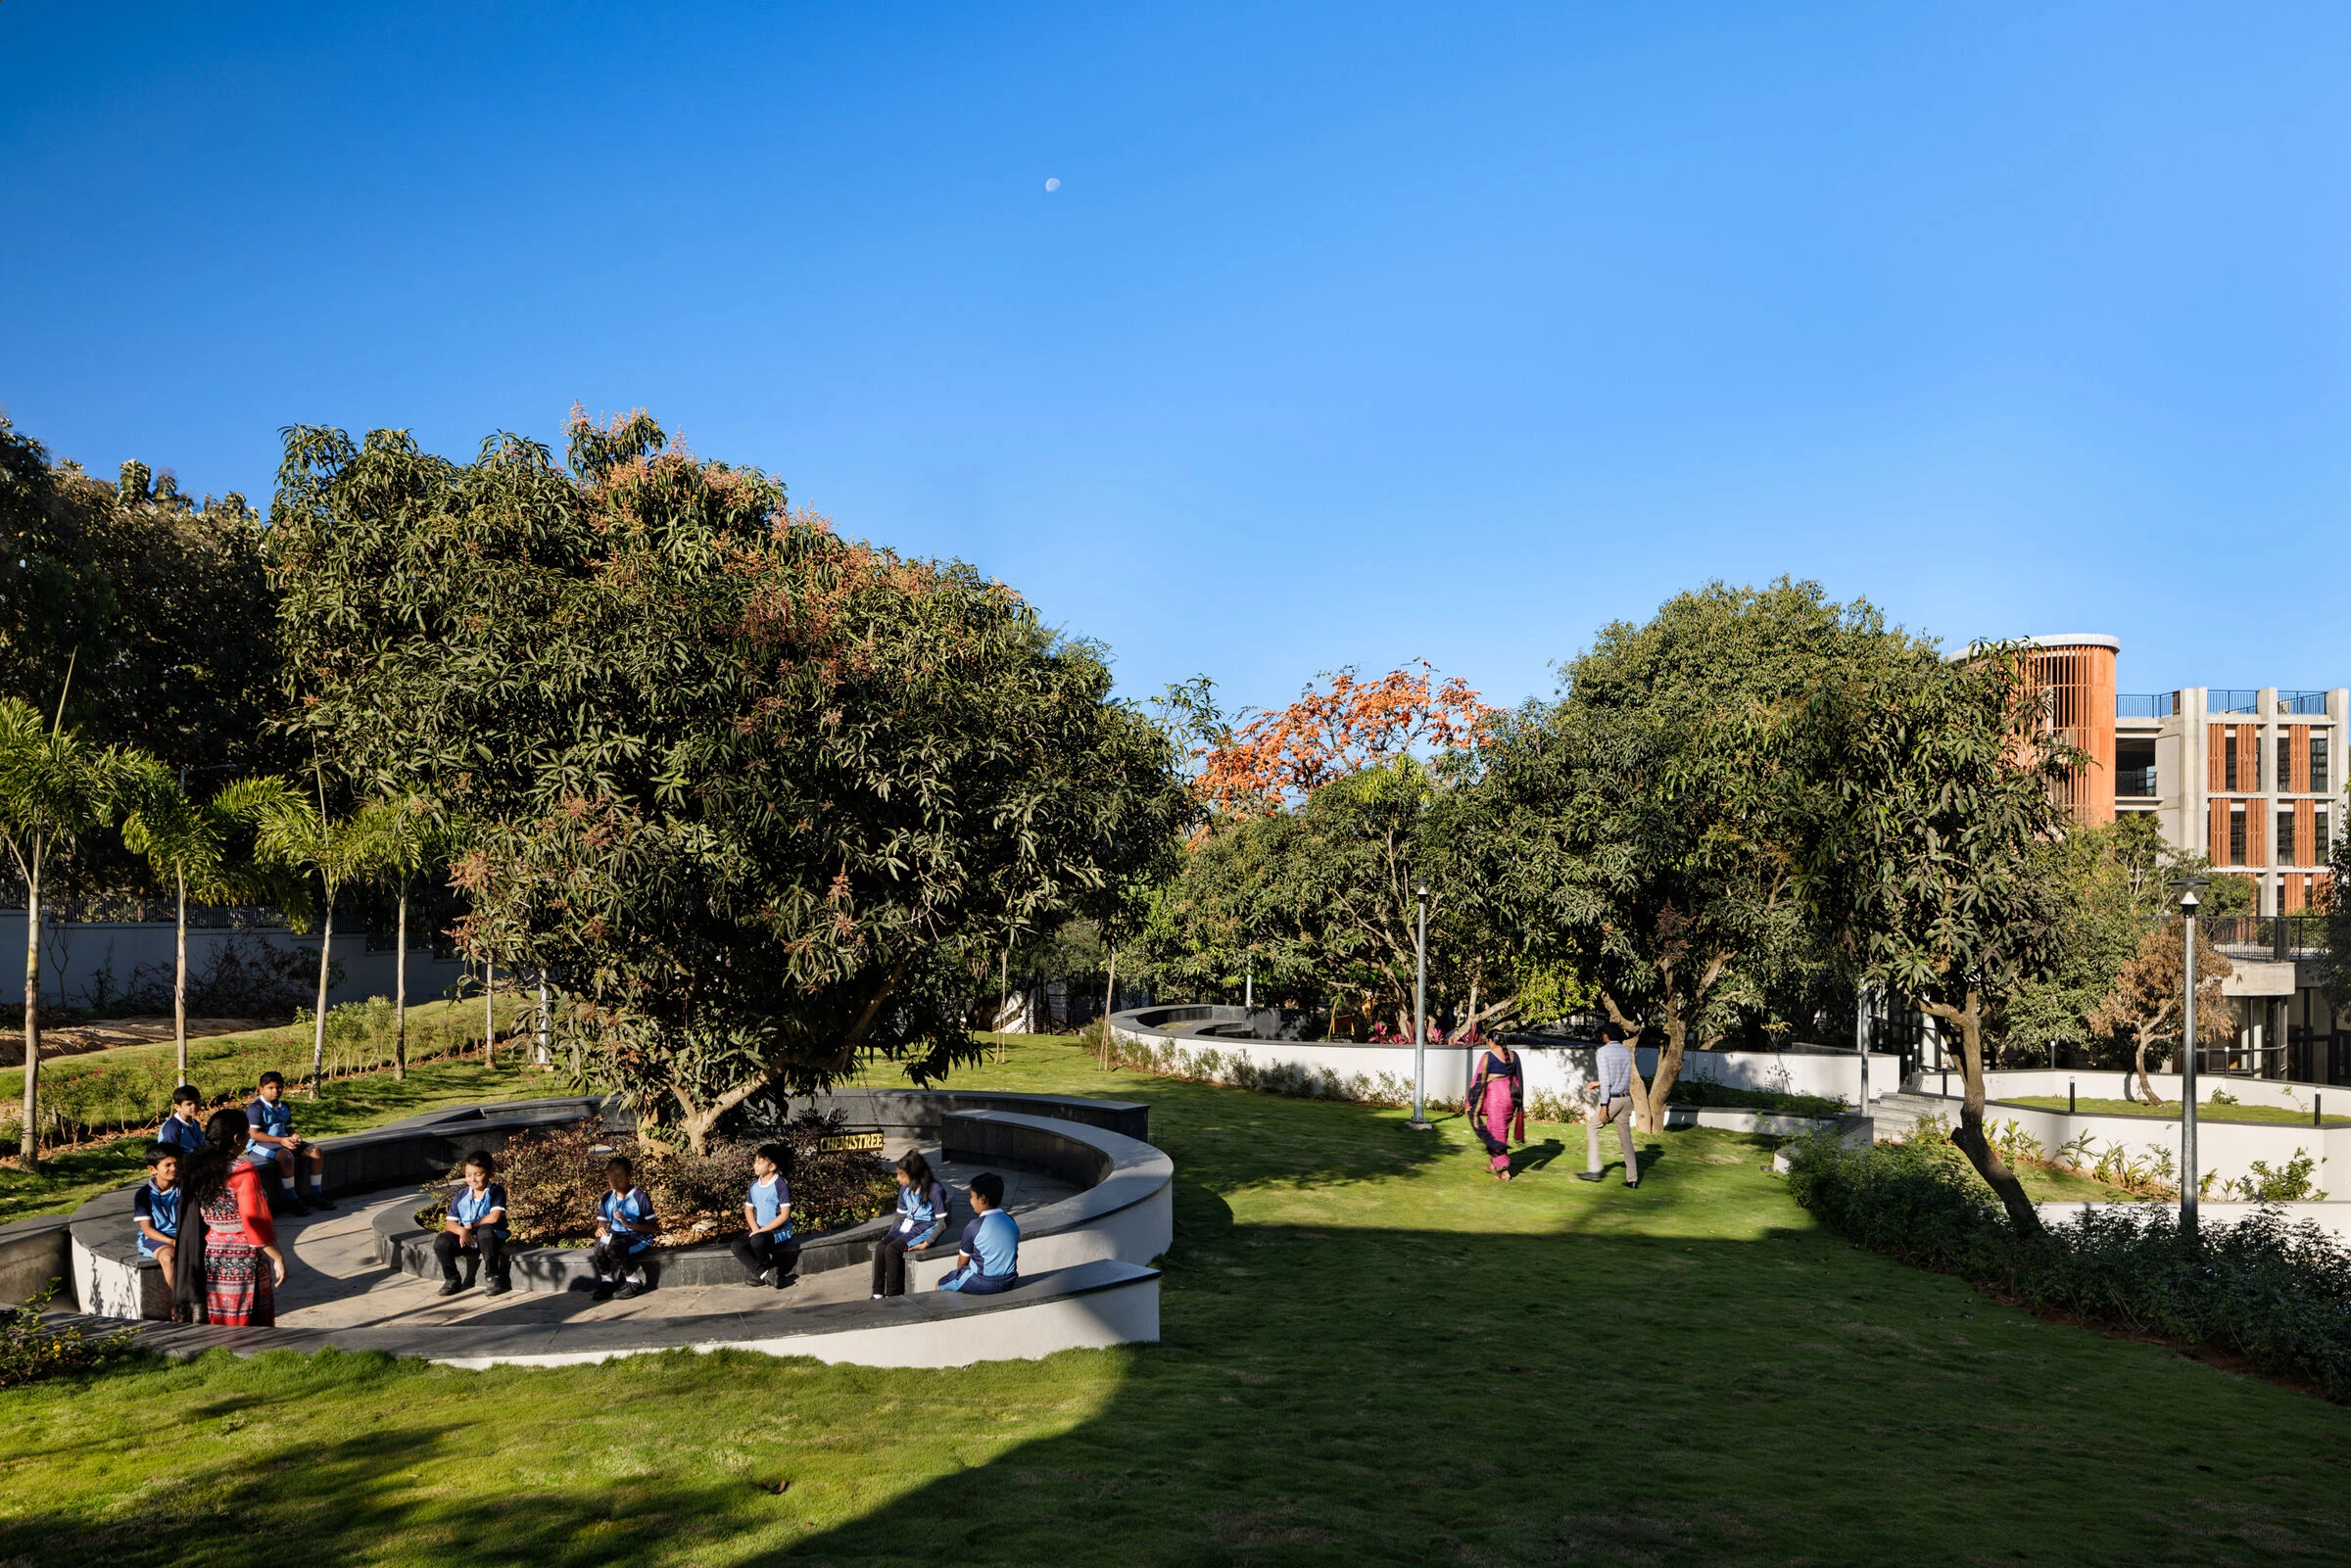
(1354, 333)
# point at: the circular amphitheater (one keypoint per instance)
(1093, 1197)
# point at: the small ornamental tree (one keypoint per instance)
(1349, 725)
(2149, 991)
(756, 798)
(1930, 848)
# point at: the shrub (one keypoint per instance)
(554, 1179)
(33, 1350)
(2276, 1293)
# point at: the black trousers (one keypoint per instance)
(889, 1264)
(492, 1249)
(763, 1252)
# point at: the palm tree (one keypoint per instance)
(54, 786)
(293, 830)
(184, 841)
(409, 833)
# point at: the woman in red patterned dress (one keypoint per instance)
(236, 1284)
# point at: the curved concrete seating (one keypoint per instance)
(1084, 1279)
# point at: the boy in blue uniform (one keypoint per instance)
(766, 1251)
(156, 1209)
(625, 1228)
(184, 1128)
(271, 1143)
(477, 1227)
(987, 1260)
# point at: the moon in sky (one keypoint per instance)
(1053, 184)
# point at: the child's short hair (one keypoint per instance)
(187, 1094)
(777, 1155)
(480, 1160)
(158, 1153)
(619, 1162)
(267, 1078)
(991, 1186)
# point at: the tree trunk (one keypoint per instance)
(1969, 1135)
(1649, 1103)
(400, 994)
(1110, 995)
(490, 1015)
(2146, 1087)
(28, 1145)
(179, 983)
(326, 947)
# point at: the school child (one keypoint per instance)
(184, 1128)
(987, 1260)
(625, 1228)
(767, 1253)
(155, 1211)
(274, 1145)
(922, 1216)
(476, 1226)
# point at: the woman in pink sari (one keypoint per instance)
(1497, 1105)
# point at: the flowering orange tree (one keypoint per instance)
(1278, 757)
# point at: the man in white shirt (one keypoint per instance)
(1613, 1101)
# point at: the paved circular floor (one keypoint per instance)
(336, 1283)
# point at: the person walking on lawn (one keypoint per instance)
(1613, 1101)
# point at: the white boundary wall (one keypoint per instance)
(2227, 1148)
(1376, 1072)
(74, 954)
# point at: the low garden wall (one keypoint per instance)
(1194, 1041)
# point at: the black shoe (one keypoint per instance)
(321, 1202)
(787, 1281)
(1587, 1175)
(759, 1279)
(295, 1207)
(470, 1276)
(450, 1286)
(497, 1287)
(602, 1291)
(629, 1289)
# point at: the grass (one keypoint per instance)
(345, 1104)
(1373, 1352)
(2169, 1110)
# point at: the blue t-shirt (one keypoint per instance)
(768, 1199)
(469, 1207)
(159, 1210)
(994, 1240)
(624, 1214)
(185, 1137)
(921, 1211)
(277, 1121)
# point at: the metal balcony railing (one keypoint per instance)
(2301, 702)
(2256, 936)
(2218, 700)
(2135, 781)
(2146, 705)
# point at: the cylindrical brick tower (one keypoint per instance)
(2076, 676)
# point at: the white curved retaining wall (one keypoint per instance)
(2228, 1148)
(1558, 1069)
(2010, 1083)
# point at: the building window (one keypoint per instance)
(2317, 761)
(2236, 835)
(2285, 765)
(2285, 838)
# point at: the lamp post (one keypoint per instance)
(1420, 1121)
(1862, 1046)
(2187, 886)
(1249, 981)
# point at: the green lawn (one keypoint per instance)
(345, 1104)
(2169, 1110)
(1374, 1353)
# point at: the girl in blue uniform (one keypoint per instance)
(625, 1228)
(922, 1216)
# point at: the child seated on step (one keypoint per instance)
(156, 1209)
(625, 1228)
(766, 1251)
(922, 1216)
(184, 1128)
(273, 1145)
(476, 1228)
(987, 1260)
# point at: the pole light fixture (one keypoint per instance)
(2187, 886)
(1420, 1121)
